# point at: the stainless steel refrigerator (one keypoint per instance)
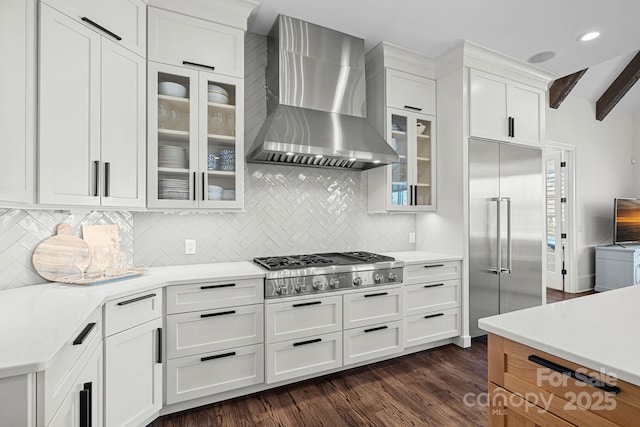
(506, 229)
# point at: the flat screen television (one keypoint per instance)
(627, 221)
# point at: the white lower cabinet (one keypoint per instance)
(432, 296)
(82, 407)
(296, 358)
(303, 317)
(210, 373)
(426, 328)
(370, 342)
(373, 306)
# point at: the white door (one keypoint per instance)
(123, 143)
(555, 217)
(69, 114)
(133, 379)
(525, 106)
(488, 106)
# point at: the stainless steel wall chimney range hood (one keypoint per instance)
(316, 101)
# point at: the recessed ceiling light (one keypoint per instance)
(541, 57)
(591, 35)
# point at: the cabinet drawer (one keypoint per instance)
(426, 328)
(211, 373)
(524, 371)
(411, 92)
(424, 298)
(175, 38)
(125, 18)
(432, 272)
(297, 358)
(56, 381)
(206, 331)
(371, 307)
(214, 294)
(361, 344)
(301, 318)
(508, 409)
(132, 310)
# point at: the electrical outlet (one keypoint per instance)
(412, 237)
(190, 247)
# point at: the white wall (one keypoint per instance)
(636, 155)
(603, 171)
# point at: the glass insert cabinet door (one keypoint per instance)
(399, 141)
(423, 163)
(196, 149)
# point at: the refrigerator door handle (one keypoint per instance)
(509, 258)
(498, 267)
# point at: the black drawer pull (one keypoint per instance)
(85, 405)
(296, 344)
(433, 315)
(379, 328)
(376, 295)
(304, 304)
(409, 107)
(217, 356)
(195, 64)
(131, 301)
(434, 266)
(101, 28)
(159, 332)
(226, 285)
(83, 335)
(434, 286)
(594, 382)
(222, 313)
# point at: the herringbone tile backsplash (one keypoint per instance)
(288, 210)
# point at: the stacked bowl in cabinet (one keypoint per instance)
(214, 335)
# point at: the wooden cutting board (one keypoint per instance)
(61, 255)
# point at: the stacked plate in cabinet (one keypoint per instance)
(173, 188)
(170, 156)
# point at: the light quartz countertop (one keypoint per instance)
(36, 321)
(421, 257)
(598, 331)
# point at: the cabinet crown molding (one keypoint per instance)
(388, 55)
(234, 13)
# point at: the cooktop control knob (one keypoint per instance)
(378, 278)
(296, 286)
(393, 277)
(281, 290)
(334, 283)
(316, 284)
(357, 281)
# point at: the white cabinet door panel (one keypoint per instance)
(432, 272)
(123, 126)
(69, 131)
(211, 295)
(125, 18)
(427, 297)
(426, 328)
(371, 307)
(362, 344)
(488, 116)
(302, 317)
(525, 105)
(411, 92)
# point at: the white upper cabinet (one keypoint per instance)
(411, 92)
(17, 103)
(505, 110)
(176, 39)
(92, 117)
(122, 21)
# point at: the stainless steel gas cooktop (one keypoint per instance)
(314, 273)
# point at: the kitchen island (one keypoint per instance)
(573, 362)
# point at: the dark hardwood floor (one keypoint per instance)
(423, 389)
(555, 296)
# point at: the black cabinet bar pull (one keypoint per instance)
(409, 107)
(96, 174)
(107, 173)
(226, 285)
(296, 344)
(217, 356)
(433, 315)
(85, 405)
(222, 313)
(83, 335)
(195, 64)
(379, 328)
(203, 185)
(513, 127)
(194, 186)
(434, 286)
(593, 382)
(159, 332)
(415, 195)
(101, 28)
(131, 301)
(376, 295)
(303, 304)
(434, 265)
(411, 195)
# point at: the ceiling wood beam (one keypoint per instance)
(620, 86)
(561, 88)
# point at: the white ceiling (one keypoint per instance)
(517, 28)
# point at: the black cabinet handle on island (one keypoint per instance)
(593, 382)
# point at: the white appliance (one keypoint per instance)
(617, 267)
